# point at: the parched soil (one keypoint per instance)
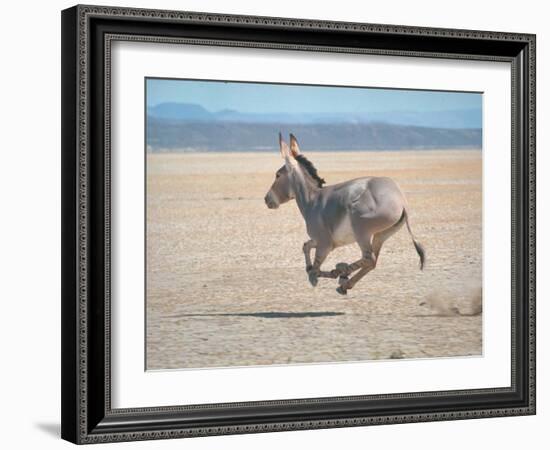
(226, 284)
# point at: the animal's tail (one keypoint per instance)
(419, 249)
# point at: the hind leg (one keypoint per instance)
(365, 228)
(345, 283)
(370, 245)
(383, 236)
(377, 242)
(363, 265)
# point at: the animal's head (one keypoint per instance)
(281, 190)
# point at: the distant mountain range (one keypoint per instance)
(190, 127)
(461, 118)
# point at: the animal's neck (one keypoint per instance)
(305, 191)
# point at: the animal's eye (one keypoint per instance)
(277, 175)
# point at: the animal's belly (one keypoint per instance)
(343, 233)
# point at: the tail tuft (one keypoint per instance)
(421, 253)
(419, 249)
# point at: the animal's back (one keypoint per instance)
(369, 192)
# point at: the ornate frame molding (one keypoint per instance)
(80, 422)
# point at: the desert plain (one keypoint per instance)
(225, 276)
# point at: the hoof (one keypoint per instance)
(312, 278)
(342, 268)
(343, 282)
(341, 290)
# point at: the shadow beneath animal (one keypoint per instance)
(267, 315)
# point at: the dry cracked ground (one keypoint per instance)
(226, 284)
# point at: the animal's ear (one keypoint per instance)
(285, 153)
(294, 148)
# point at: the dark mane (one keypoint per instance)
(310, 169)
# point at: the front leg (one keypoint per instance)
(308, 246)
(315, 272)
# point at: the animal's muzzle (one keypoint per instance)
(271, 204)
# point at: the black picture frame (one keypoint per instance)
(87, 415)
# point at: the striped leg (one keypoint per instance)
(363, 265)
(315, 272)
(346, 284)
(308, 246)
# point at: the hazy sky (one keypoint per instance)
(277, 98)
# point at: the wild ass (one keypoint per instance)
(365, 210)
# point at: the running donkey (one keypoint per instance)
(365, 210)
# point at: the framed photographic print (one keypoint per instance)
(279, 224)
